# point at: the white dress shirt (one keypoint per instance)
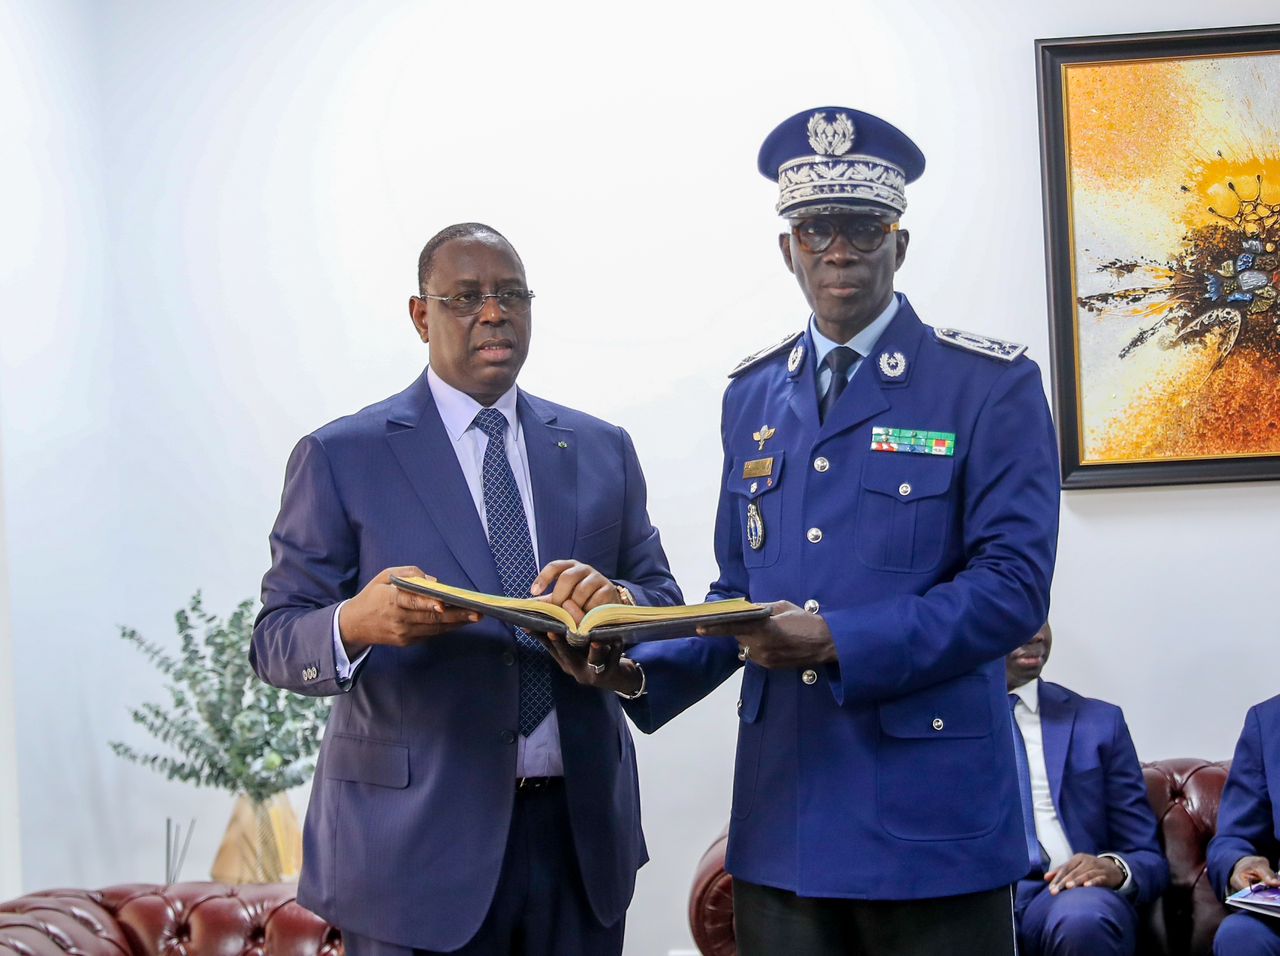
(1048, 827)
(537, 755)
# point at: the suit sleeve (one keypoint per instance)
(1245, 816)
(1131, 823)
(679, 673)
(1000, 596)
(642, 564)
(314, 566)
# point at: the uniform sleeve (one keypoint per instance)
(314, 566)
(1131, 824)
(1000, 596)
(1245, 816)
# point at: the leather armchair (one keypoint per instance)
(190, 919)
(1184, 792)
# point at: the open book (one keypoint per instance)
(608, 622)
(1258, 898)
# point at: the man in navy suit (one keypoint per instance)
(892, 489)
(469, 797)
(1095, 828)
(1244, 849)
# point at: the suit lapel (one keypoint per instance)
(421, 445)
(553, 472)
(1057, 719)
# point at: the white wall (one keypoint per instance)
(10, 834)
(220, 212)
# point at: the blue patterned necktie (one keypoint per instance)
(1035, 855)
(513, 554)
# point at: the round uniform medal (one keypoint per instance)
(755, 527)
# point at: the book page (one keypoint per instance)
(529, 605)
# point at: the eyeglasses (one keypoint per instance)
(865, 235)
(515, 301)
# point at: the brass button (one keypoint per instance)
(814, 535)
(904, 489)
(810, 676)
(812, 606)
(937, 723)
(821, 464)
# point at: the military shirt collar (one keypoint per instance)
(863, 343)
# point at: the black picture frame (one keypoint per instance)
(1053, 56)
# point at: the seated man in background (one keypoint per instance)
(1248, 838)
(1088, 819)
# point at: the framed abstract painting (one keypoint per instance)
(1160, 157)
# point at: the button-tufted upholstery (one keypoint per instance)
(1184, 792)
(185, 919)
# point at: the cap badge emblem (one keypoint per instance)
(830, 139)
(892, 364)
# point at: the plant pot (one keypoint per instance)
(263, 843)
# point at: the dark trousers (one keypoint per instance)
(769, 922)
(1244, 934)
(540, 907)
(1085, 921)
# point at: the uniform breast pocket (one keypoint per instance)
(904, 511)
(756, 484)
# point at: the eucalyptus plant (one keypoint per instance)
(225, 727)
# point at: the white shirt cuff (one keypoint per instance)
(344, 668)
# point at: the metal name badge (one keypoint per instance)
(758, 468)
(755, 527)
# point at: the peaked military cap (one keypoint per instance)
(831, 160)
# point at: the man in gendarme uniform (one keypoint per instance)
(893, 488)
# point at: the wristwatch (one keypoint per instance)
(624, 595)
(1124, 869)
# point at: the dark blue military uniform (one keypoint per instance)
(889, 776)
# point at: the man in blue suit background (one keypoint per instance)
(1089, 812)
(1244, 848)
(892, 488)
(469, 797)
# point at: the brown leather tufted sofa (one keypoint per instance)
(184, 919)
(1184, 792)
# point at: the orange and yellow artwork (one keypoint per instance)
(1174, 192)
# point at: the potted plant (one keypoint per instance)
(227, 729)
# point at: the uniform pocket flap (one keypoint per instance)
(753, 476)
(362, 760)
(958, 708)
(907, 477)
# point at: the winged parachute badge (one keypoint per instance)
(830, 139)
(763, 435)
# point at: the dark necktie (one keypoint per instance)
(1036, 860)
(513, 554)
(840, 359)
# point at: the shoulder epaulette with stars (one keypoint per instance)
(982, 344)
(764, 353)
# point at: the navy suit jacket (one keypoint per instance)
(889, 775)
(414, 789)
(1097, 785)
(1248, 818)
